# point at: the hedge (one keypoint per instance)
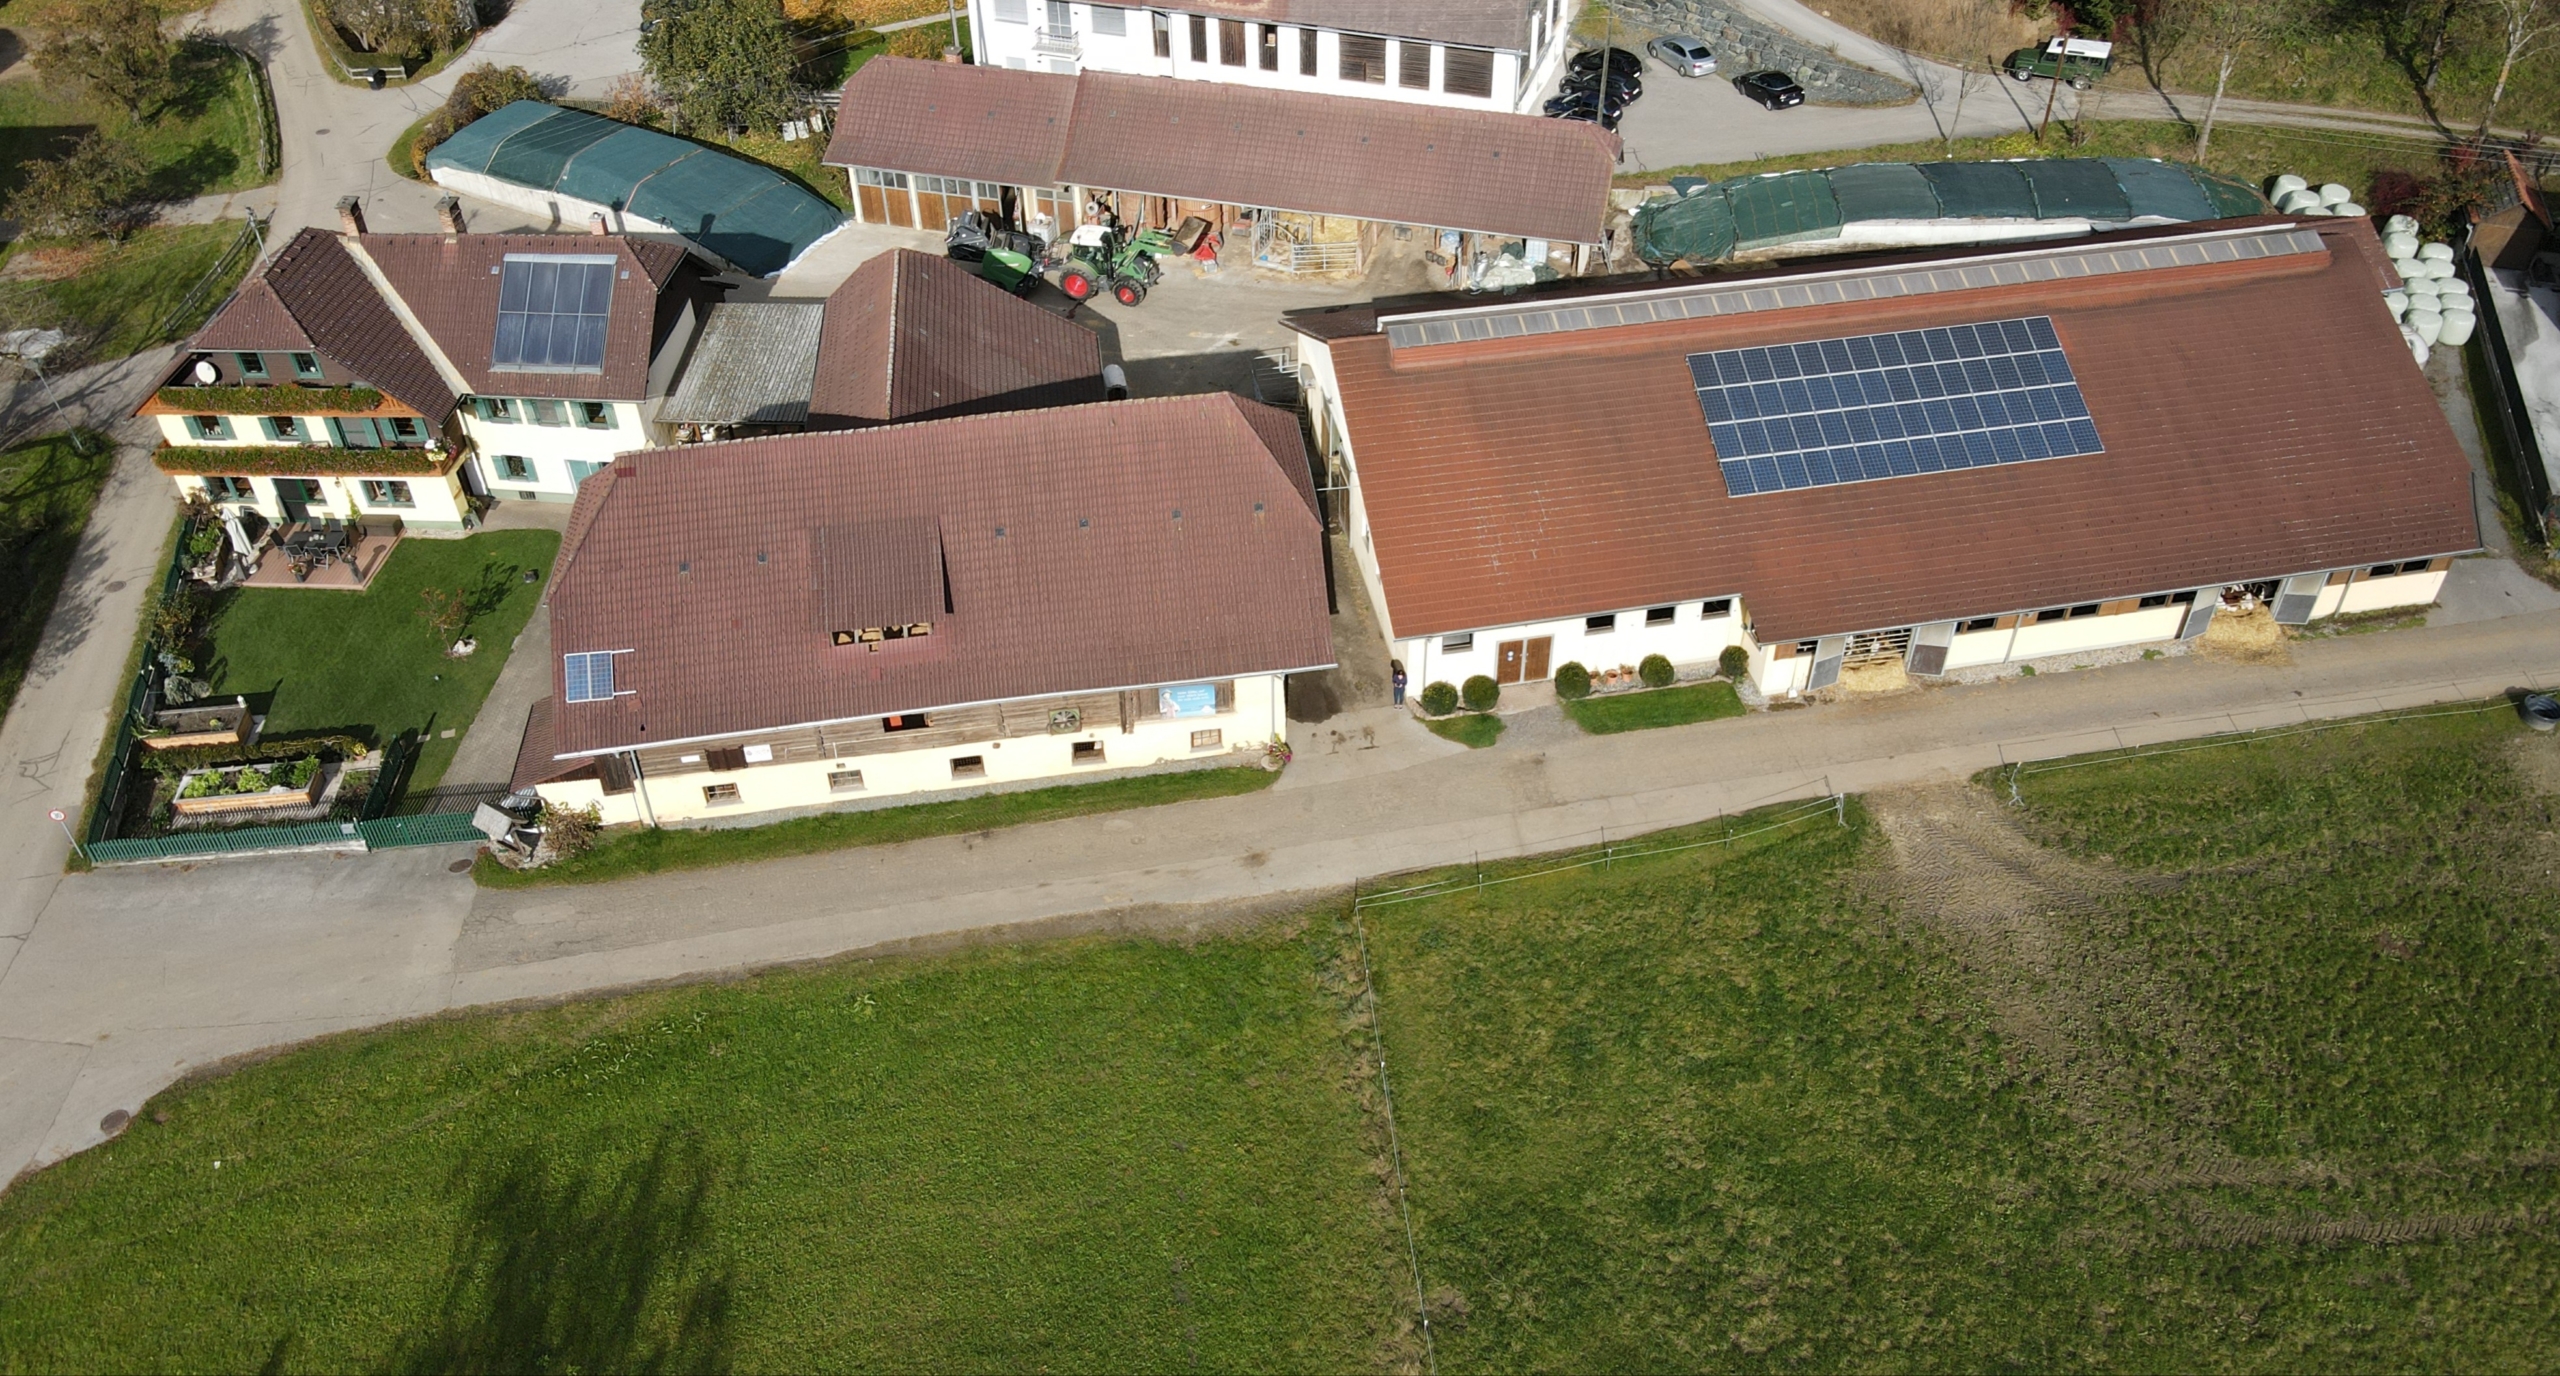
(185, 758)
(270, 401)
(1480, 693)
(300, 461)
(1656, 671)
(1439, 699)
(1734, 662)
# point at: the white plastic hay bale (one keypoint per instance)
(2298, 202)
(2344, 209)
(2450, 287)
(2428, 324)
(2335, 193)
(2288, 182)
(2402, 224)
(2396, 302)
(2436, 250)
(2400, 245)
(2456, 329)
(2410, 269)
(2420, 286)
(2417, 346)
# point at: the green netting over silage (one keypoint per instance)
(1782, 208)
(475, 143)
(1981, 190)
(2075, 188)
(1883, 191)
(540, 154)
(1697, 227)
(2230, 198)
(2163, 189)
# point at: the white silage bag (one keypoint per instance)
(2417, 346)
(2410, 269)
(2456, 328)
(2451, 288)
(2428, 324)
(2335, 193)
(2299, 203)
(2402, 224)
(2288, 182)
(2436, 251)
(2400, 244)
(2345, 209)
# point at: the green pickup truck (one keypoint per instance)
(2080, 61)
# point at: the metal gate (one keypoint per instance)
(2301, 593)
(1929, 645)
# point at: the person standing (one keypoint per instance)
(1396, 676)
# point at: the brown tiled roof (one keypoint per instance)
(253, 319)
(915, 336)
(312, 294)
(1202, 140)
(451, 285)
(1084, 548)
(534, 764)
(2260, 418)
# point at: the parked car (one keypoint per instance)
(1622, 61)
(1582, 107)
(2080, 61)
(1774, 90)
(1682, 54)
(1621, 88)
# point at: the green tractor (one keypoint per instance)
(1107, 258)
(1007, 257)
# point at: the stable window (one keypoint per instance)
(306, 366)
(905, 721)
(1364, 59)
(1164, 34)
(969, 767)
(1599, 625)
(497, 410)
(1715, 607)
(2052, 614)
(1458, 644)
(1413, 65)
(872, 176)
(549, 412)
(1660, 616)
(1269, 47)
(2418, 566)
(719, 795)
(1306, 52)
(516, 468)
(287, 429)
(1467, 72)
(1085, 752)
(729, 759)
(1211, 739)
(595, 415)
(2183, 598)
(2084, 609)
(252, 366)
(845, 781)
(1110, 19)
(1199, 38)
(386, 492)
(1980, 623)
(2157, 599)
(230, 490)
(209, 427)
(1230, 43)
(586, 677)
(2382, 571)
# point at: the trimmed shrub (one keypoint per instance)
(1480, 694)
(1573, 682)
(172, 763)
(1439, 699)
(1734, 662)
(1655, 670)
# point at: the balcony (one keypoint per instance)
(1055, 41)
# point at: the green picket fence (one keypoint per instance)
(246, 840)
(427, 829)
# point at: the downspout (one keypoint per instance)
(640, 788)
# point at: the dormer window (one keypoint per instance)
(253, 366)
(871, 637)
(307, 367)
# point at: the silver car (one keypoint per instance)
(1682, 54)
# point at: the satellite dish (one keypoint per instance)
(206, 374)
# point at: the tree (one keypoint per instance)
(100, 187)
(114, 49)
(484, 88)
(2523, 25)
(2228, 29)
(1967, 30)
(446, 612)
(411, 29)
(722, 64)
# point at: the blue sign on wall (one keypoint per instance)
(1188, 700)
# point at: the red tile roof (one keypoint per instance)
(1200, 140)
(450, 283)
(313, 295)
(1085, 548)
(2260, 419)
(915, 336)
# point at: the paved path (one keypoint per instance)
(121, 984)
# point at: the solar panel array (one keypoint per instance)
(552, 312)
(1873, 406)
(587, 677)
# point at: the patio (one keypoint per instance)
(343, 558)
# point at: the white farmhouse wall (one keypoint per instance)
(436, 502)
(552, 449)
(2097, 632)
(1691, 640)
(2400, 590)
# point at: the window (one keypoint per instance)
(2157, 599)
(230, 490)
(516, 468)
(209, 427)
(252, 366)
(1659, 616)
(1806, 647)
(1199, 38)
(1306, 52)
(496, 410)
(1980, 623)
(1467, 72)
(905, 721)
(1012, 12)
(355, 432)
(407, 429)
(1599, 625)
(2184, 599)
(1230, 43)
(598, 415)
(872, 176)
(1715, 607)
(2383, 571)
(548, 412)
(386, 492)
(1268, 47)
(728, 759)
(2051, 614)
(719, 795)
(2084, 609)
(286, 429)
(306, 367)
(1211, 739)
(1364, 59)
(1110, 19)
(1085, 752)
(969, 766)
(552, 310)
(1164, 34)
(1458, 644)
(586, 677)
(2418, 566)
(1413, 65)
(845, 781)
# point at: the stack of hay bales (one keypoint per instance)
(2433, 303)
(2295, 196)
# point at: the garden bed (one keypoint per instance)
(271, 791)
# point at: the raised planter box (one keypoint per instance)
(222, 804)
(198, 725)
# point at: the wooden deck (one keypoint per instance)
(352, 572)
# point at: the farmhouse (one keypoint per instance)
(1316, 177)
(1949, 459)
(808, 621)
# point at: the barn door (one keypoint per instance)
(1506, 661)
(1827, 653)
(2200, 615)
(1929, 647)
(2301, 593)
(1536, 668)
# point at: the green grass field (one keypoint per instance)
(365, 663)
(207, 140)
(46, 491)
(1474, 730)
(2240, 1059)
(626, 852)
(128, 297)
(1642, 711)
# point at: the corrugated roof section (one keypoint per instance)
(752, 366)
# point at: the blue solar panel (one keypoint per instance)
(552, 312)
(1877, 406)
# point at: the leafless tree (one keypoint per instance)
(2523, 25)
(1947, 52)
(2229, 30)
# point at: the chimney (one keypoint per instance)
(596, 225)
(351, 214)
(950, 54)
(449, 213)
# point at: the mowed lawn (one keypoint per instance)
(2246, 1058)
(366, 663)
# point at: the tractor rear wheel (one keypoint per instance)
(1128, 293)
(1076, 285)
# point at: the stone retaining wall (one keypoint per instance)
(1743, 43)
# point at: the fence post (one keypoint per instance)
(1840, 808)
